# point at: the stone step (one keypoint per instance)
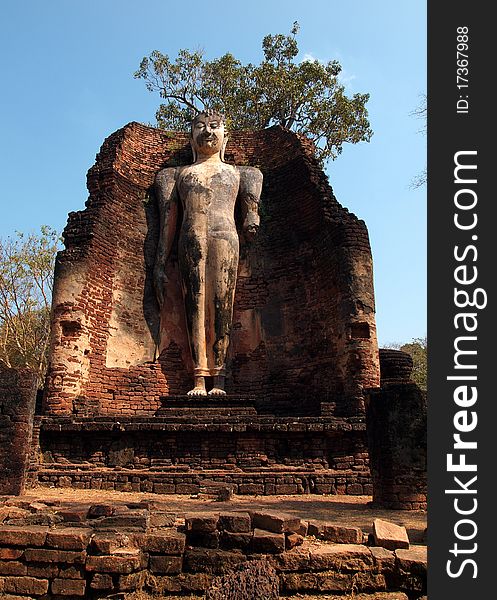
(173, 481)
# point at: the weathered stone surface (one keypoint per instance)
(344, 557)
(23, 536)
(200, 560)
(73, 514)
(413, 560)
(68, 538)
(231, 540)
(201, 522)
(389, 535)
(341, 535)
(256, 580)
(130, 520)
(235, 522)
(110, 542)
(384, 559)
(204, 540)
(267, 542)
(332, 581)
(131, 582)
(335, 533)
(12, 512)
(26, 585)
(10, 553)
(100, 510)
(123, 563)
(68, 587)
(71, 572)
(12, 567)
(275, 521)
(298, 559)
(101, 581)
(161, 519)
(185, 582)
(292, 540)
(164, 542)
(166, 564)
(42, 555)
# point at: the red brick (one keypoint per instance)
(23, 536)
(10, 553)
(236, 522)
(163, 542)
(276, 522)
(43, 555)
(131, 582)
(68, 538)
(12, 567)
(341, 535)
(292, 540)
(108, 543)
(114, 564)
(267, 542)
(166, 564)
(26, 585)
(68, 587)
(201, 522)
(389, 535)
(101, 581)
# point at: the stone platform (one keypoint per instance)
(107, 547)
(192, 440)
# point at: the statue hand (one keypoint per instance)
(160, 282)
(250, 231)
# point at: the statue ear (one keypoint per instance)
(194, 151)
(225, 141)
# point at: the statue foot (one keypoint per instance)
(197, 391)
(217, 392)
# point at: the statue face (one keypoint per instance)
(208, 135)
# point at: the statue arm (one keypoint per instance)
(249, 195)
(167, 199)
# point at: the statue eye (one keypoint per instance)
(214, 125)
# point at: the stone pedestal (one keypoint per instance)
(396, 426)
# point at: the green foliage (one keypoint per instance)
(305, 97)
(26, 281)
(418, 349)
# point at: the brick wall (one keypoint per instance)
(396, 425)
(105, 551)
(17, 406)
(304, 307)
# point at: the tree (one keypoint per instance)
(26, 282)
(305, 97)
(421, 112)
(418, 349)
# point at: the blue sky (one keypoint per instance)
(67, 84)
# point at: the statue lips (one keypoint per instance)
(208, 140)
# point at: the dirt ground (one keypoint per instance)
(343, 510)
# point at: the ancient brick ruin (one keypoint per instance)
(303, 377)
(303, 346)
(302, 360)
(106, 550)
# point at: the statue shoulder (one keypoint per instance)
(250, 180)
(166, 176)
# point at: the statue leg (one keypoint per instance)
(192, 262)
(221, 272)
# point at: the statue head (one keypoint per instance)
(208, 135)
